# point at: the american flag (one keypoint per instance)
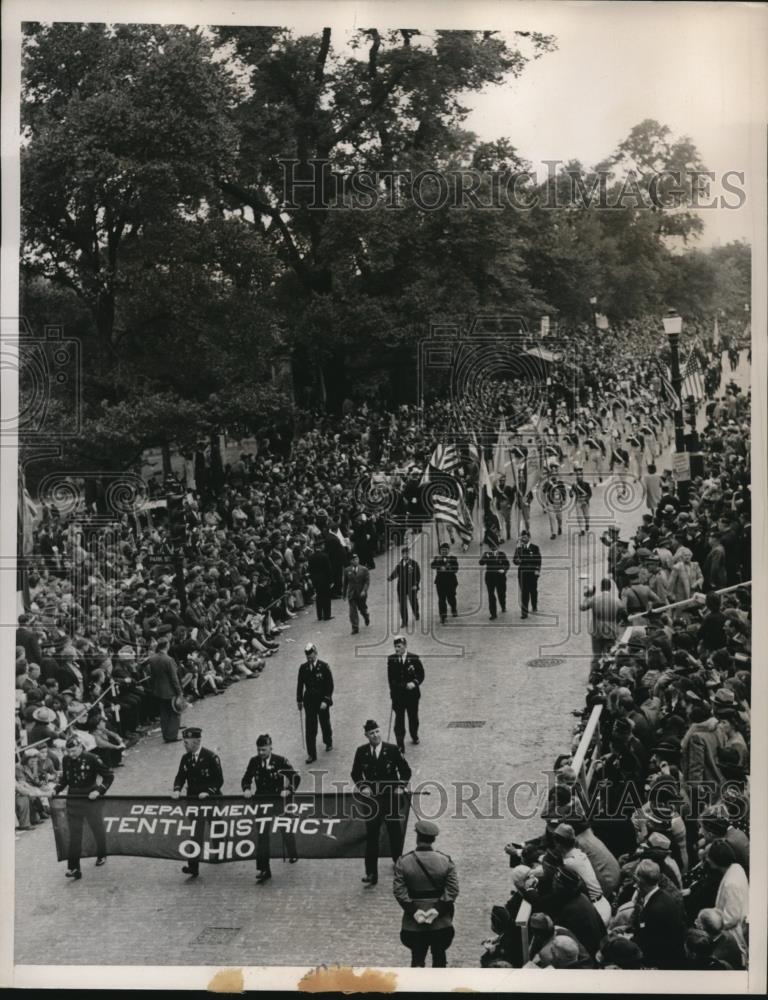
(693, 379)
(445, 457)
(449, 507)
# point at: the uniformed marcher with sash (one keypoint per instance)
(554, 497)
(200, 771)
(79, 775)
(405, 674)
(446, 568)
(581, 492)
(314, 693)
(269, 774)
(380, 773)
(426, 886)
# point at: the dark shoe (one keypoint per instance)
(401, 747)
(367, 620)
(329, 747)
(454, 614)
(263, 876)
(292, 861)
(503, 610)
(552, 536)
(355, 631)
(74, 873)
(192, 872)
(442, 619)
(582, 532)
(559, 531)
(100, 862)
(492, 618)
(310, 760)
(524, 614)
(415, 741)
(416, 617)
(370, 879)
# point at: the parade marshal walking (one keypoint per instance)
(380, 772)
(79, 775)
(269, 774)
(355, 583)
(405, 673)
(314, 693)
(408, 576)
(426, 886)
(200, 771)
(446, 568)
(527, 558)
(496, 569)
(581, 492)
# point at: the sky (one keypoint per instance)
(695, 68)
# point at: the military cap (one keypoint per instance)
(192, 733)
(565, 833)
(73, 741)
(264, 740)
(370, 725)
(427, 829)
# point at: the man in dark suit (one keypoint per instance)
(27, 637)
(379, 772)
(659, 920)
(165, 686)
(405, 673)
(321, 574)
(364, 540)
(314, 693)
(200, 771)
(446, 568)
(269, 774)
(408, 576)
(527, 558)
(496, 568)
(355, 588)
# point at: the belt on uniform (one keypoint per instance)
(425, 894)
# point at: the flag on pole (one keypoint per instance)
(450, 508)
(483, 503)
(693, 379)
(501, 450)
(716, 334)
(445, 458)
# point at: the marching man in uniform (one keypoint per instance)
(527, 558)
(405, 673)
(269, 774)
(314, 693)
(79, 774)
(446, 567)
(380, 772)
(200, 771)
(426, 886)
(581, 492)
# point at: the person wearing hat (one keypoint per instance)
(637, 597)
(321, 574)
(271, 775)
(575, 860)
(405, 675)
(166, 688)
(380, 772)
(354, 589)
(581, 492)
(496, 566)
(426, 885)
(408, 576)
(200, 770)
(446, 568)
(314, 693)
(553, 499)
(527, 558)
(86, 779)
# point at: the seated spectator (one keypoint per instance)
(619, 952)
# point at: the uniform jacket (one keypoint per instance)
(270, 776)
(164, 676)
(446, 568)
(315, 683)
(415, 889)
(79, 775)
(407, 574)
(528, 559)
(201, 775)
(355, 581)
(390, 769)
(495, 562)
(399, 674)
(581, 490)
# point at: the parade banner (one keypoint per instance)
(231, 828)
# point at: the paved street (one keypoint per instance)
(318, 911)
